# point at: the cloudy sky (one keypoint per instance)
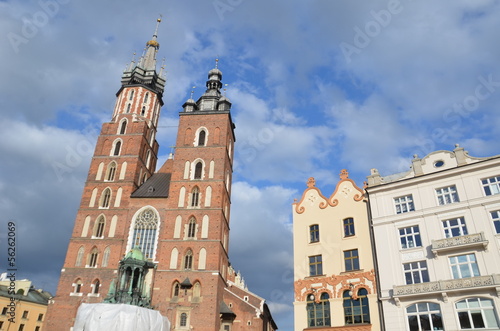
(316, 86)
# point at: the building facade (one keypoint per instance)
(436, 230)
(172, 225)
(25, 309)
(334, 278)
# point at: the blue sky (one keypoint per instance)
(316, 86)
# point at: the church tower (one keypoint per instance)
(124, 158)
(159, 239)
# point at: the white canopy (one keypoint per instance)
(118, 317)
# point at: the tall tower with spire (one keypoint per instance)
(159, 239)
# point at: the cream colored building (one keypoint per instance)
(30, 307)
(334, 279)
(437, 230)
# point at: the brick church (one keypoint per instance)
(159, 239)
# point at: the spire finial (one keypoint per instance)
(192, 92)
(217, 63)
(158, 21)
(225, 89)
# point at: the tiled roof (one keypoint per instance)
(157, 186)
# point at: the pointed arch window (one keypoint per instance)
(77, 286)
(117, 148)
(188, 260)
(318, 313)
(177, 288)
(95, 286)
(145, 232)
(128, 108)
(105, 198)
(198, 170)
(148, 159)
(99, 227)
(105, 257)
(123, 127)
(143, 111)
(201, 138)
(93, 258)
(191, 228)
(131, 95)
(197, 290)
(79, 257)
(195, 197)
(356, 310)
(146, 96)
(111, 171)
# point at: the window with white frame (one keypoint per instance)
(495, 217)
(416, 272)
(476, 313)
(410, 237)
(464, 266)
(446, 195)
(491, 185)
(404, 204)
(424, 316)
(454, 227)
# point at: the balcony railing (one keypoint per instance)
(447, 285)
(453, 243)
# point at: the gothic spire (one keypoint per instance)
(149, 60)
(144, 72)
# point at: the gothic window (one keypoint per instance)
(197, 290)
(143, 111)
(77, 286)
(123, 127)
(148, 158)
(356, 311)
(111, 171)
(201, 138)
(195, 197)
(318, 313)
(177, 288)
(146, 97)
(79, 257)
(131, 95)
(117, 148)
(93, 258)
(99, 227)
(198, 170)
(105, 257)
(145, 229)
(191, 228)
(128, 108)
(105, 198)
(188, 260)
(183, 321)
(95, 286)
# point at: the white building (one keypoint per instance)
(436, 230)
